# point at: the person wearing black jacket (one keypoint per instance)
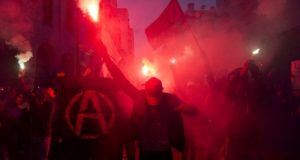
(42, 112)
(156, 119)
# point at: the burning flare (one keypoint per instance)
(256, 51)
(148, 68)
(90, 7)
(173, 60)
(23, 45)
(23, 58)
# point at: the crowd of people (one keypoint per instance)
(240, 116)
(26, 122)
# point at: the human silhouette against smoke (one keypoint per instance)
(156, 120)
(250, 98)
(41, 116)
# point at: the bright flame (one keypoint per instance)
(148, 68)
(173, 60)
(256, 51)
(90, 7)
(23, 45)
(23, 58)
(22, 65)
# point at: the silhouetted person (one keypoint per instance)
(250, 102)
(42, 110)
(91, 120)
(157, 123)
(6, 126)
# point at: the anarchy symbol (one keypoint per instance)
(93, 97)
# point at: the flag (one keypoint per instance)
(159, 30)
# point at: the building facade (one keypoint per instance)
(66, 28)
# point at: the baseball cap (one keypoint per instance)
(153, 82)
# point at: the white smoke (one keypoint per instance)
(272, 13)
(16, 27)
(20, 42)
(14, 19)
(23, 45)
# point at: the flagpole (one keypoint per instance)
(170, 16)
(202, 53)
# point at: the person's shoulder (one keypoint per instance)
(172, 99)
(170, 95)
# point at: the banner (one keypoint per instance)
(90, 122)
(159, 30)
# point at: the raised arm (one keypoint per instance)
(116, 73)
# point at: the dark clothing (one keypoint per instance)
(157, 128)
(153, 129)
(41, 118)
(39, 148)
(155, 155)
(250, 110)
(103, 132)
(7, 125)
(6, 132)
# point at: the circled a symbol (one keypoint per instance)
(87, 97)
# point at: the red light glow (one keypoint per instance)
(148, 68)
(90, 7)
(173, 60)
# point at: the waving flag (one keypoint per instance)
(159, 30)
